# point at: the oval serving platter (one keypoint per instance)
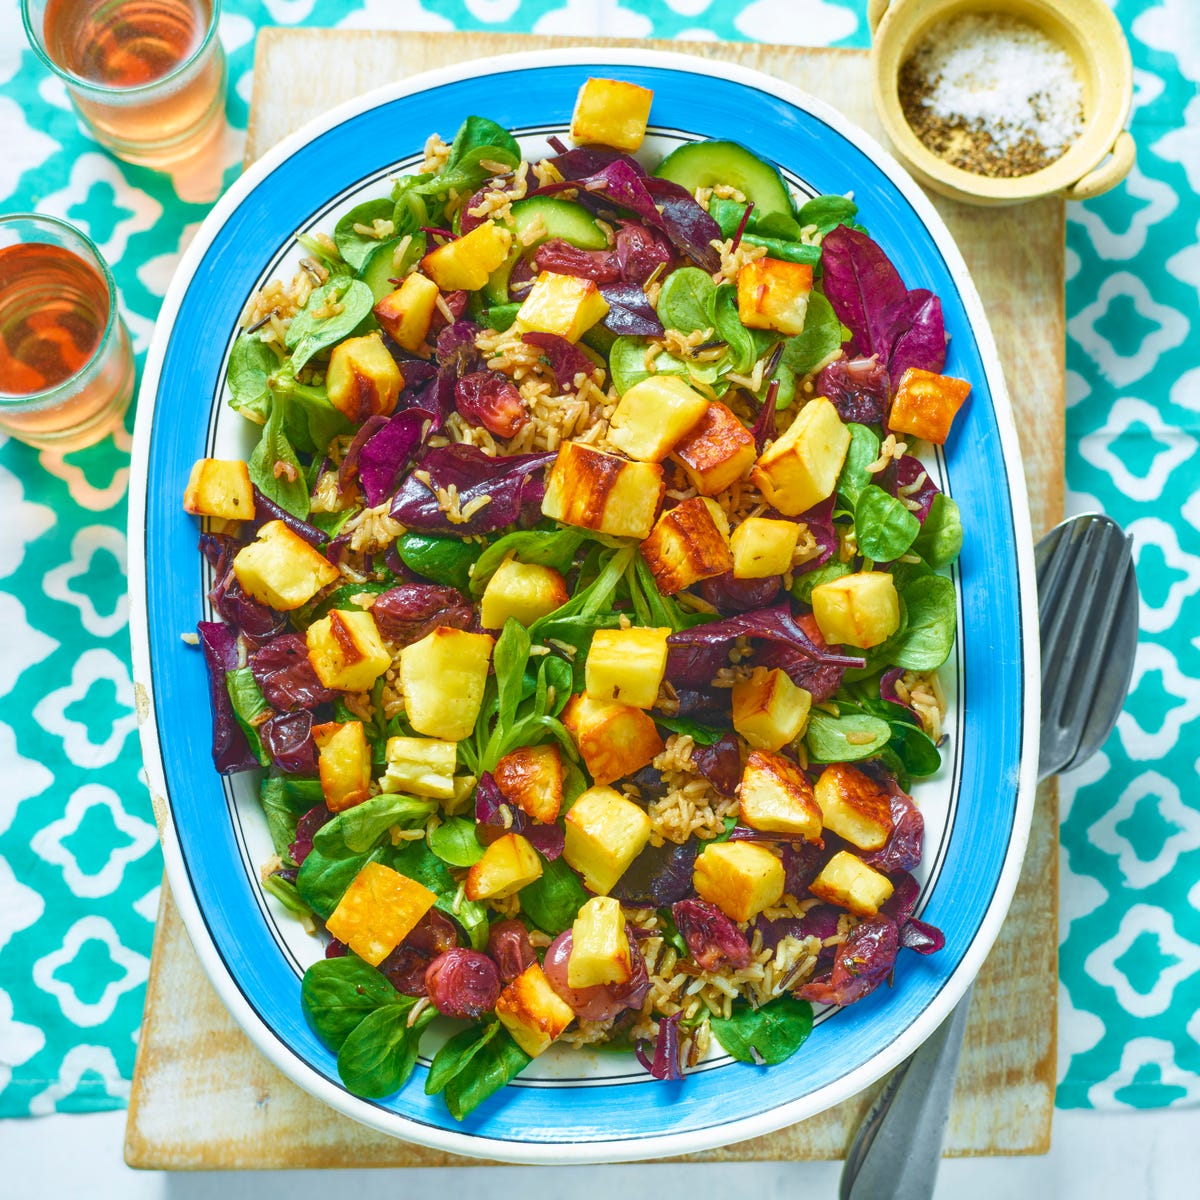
(577, 1106)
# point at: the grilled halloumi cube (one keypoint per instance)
(763, 547)
(531, 777)
(847, 881)
(220, 488)
(533, 1012)
(801, 467)
(860, 610)
(378, 911)
(627, 665)
(685, 546)
(406, 314)
(605, 832)
(777, 797)
(363, 379)
(854, 806)
(926, 404)
(346, 651)
(421, 767)
(740, 878)
(614, 739)
(343, 763)
(610, 112)
(717, 452)
(443, 677)
(464, 264)
(507, 865)
(773, 294)
(599, 945)
(769, 710)
(280, 569)
(599, 491)
(654, 415)
(566, 305)
(522, 590)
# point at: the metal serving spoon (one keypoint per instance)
(1088, 619)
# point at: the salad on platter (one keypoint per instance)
(582, 602)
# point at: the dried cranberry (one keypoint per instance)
(712, 938)
(463, 983)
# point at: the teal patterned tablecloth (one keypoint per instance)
(79, 860)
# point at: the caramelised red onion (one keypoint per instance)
(408, 612)
(287, 738)
(906, 843)
(665, 1063)
(731, 595)
(862, 962)
(599, 1003)
(282, 669)
(720, 764)
(463, 983)
(509, 945)
(712, 938)
(660, 875)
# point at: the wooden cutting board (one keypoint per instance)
(203, 1098)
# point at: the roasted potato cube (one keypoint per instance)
(281, 569)
(600, 491)
(507, 865)
(407, 313)
(774, 295)
(605, 833)
(363, 379)
(599, 945)
(653, 415)
(860, 610)
(378, 911)
(346, 651)
(847, 881)
(522, 590)
(769, 710)
(464, 264)
(614, 739)
(443, 677)
(776, 796)
(343, 763)
(610, 112)
(685, 546)
(421, 767)
(717, 452)
(567, 305)
(740, 878)
(220, 488)
(532, 1011)
(854, 806)
(801, 467)
(925, 404)
(531, 777)
(627, 665)
(762, 547)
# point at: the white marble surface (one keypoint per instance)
(1095, 1156)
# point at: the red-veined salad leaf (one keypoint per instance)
(629, 311)
(665, 1063)
(388, 451)
(230, 750)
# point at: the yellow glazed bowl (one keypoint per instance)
(1098, 160)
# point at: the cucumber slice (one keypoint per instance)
(561, 219)
(379, 268)
(706, 164)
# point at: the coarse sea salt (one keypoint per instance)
(1004, 76)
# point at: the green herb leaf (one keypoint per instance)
(337, 993)
(455, 842)
(927, 639)
(454, 1057)
(496, 1063)
(941, 536)
(354, 247)
(251, 363)
(686, 300)
(850, 737)
(287, 486)
(553, 901)
(309, 332)
(885, 528)
(379, 1054)
(863, 451)
(775, 1031)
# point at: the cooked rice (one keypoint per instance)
(733, 260)
(437, 153)
(923, 690)
(890, 451)
(372, 530)
(690, 805)
(906, 494)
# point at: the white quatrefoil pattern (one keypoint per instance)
(79, 864)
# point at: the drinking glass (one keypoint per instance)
(66, 364)
(148, 76)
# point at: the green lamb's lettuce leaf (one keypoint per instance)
(445, 560)
(249, 706)
(355, 247)
(364, 825)
(863, 451)
(803, 586)
(379, 1054)
(827, 212)
(285, 892)
(553, 901)
(767, 1035)
(283, 809)
(544, 547)
(337, 993)
(627, 366)
(498, 1062)
(927, 638)
(455, 1056)
(941, 536)
(274, 468)
(686, 300)
(454, 842)
(821, 338)
(849, 737)
(251, 364)
(727, 326)
(331, 313)
(884, 526)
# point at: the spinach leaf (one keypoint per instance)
(249, 705)
(544, 547)
(354, 247)
(496, 1063)
(802, 587)
(820, 338)
(251, 363)
(627, 366)
(330, 868)
(941, 536)
(364, 825)
(282, 811)
(379, 1054)
(309, 418)
(455, 842)
(727, 326)
(702, 735)
(827, 212)
(479, 133)
(686, 300)
(478, 141)
(553, 901)
(863, 451)
(927, 639)
(274, 468)
(454, 1057)
(315, 327)
(337, 993)
(767, 1035)
(916, 750)
(885, 528)
(445, 560)
(418, 862)
(849, 737)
